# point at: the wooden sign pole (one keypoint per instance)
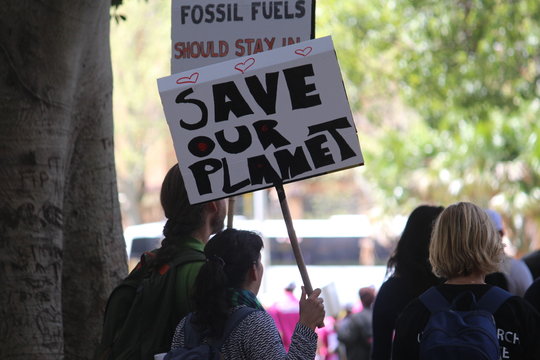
(292, 237)
(230, 212)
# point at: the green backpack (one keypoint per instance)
(144, 319)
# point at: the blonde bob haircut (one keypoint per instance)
(464, 241)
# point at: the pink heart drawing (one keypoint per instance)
(192, 79)
(304, 52)
(243, 66)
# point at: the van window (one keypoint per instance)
(317, 251)
(142, 244)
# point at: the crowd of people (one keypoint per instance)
(453, 254)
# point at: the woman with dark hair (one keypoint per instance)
(409, 275)
(229, 280)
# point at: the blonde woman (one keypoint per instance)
(464, 248)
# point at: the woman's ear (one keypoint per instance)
(253, 274)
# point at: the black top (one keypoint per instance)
(532, 295)
(392, 297)
(518, 325)
(533, 262)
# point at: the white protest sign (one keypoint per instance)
(204, 32)
(274, 117)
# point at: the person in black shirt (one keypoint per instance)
(231, 279)
(532, 295)
(532, 260)
(464, 248)
(409, 275)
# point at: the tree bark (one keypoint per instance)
(61, 246)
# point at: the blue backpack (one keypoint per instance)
(463, 335)
(194, 347)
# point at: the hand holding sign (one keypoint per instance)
(284, 120)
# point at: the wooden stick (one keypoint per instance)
(292, 237)
(230, 212)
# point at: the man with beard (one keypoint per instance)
(187, 229)
(143, 310)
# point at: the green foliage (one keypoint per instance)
(140, 54)
(363, 33)
(447, 96)
(467, 74)
(469, 56)
(115, 4)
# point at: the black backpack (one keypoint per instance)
(194, 346)
(456, 334)
(146, 322)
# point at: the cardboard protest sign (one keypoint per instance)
(274, 117)
(204, 32)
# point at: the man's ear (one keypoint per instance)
(211, 206)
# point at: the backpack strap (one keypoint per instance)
(188, 256)
(232, 322)
(493, 299)
(183, 257)
(434, 300)
(490, 301)
(193, 338)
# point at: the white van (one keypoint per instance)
(331, 249)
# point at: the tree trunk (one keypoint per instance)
(61, 248)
